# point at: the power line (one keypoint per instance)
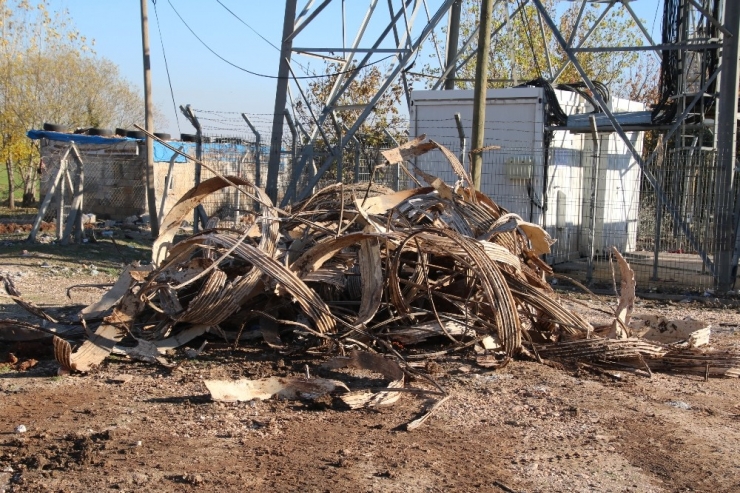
(266, 76)
(166, 66)
(250, 27)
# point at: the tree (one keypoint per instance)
(49, 73)
(386, 115)
(518, 51)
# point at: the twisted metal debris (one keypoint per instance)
(414, 274)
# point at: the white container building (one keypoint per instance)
(545, 183)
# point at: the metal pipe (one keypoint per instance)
(594, 198)
(199, 215)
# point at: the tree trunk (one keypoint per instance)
(11, 184)
(29, 180)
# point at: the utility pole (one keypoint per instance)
(726, 150)
(479, 94)
(149, 122)
(453, 35)
(281, 96)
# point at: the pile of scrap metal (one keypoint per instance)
(363, 269)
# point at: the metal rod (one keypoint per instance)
(468, 42)
(64, 164)
(356, 178)
(281, 96)
(642, 27)
(293, 145)
(380, 91)
(56, 182)
(199, 214)
(577, 23)
(582, 40)
(74, 218)
(461, 136)
(434, 38)
(594, 198)
(711, 18)
(167, 184)
(398, 41)
(352, 50)
(661, 47)
(298, 26)
(336, 91)
(453, 36)
(545, 44)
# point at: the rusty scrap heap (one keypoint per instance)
(361, 267)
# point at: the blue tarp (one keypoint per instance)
(77, 138)
(163, 155)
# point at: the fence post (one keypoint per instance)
(199, 215)
(461, 135)
(594, 195)
(293, 146)
(258, 150)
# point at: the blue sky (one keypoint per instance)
(198, 77)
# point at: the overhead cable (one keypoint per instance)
(267, 76)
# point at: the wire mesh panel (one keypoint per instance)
(232, 156)
(677, 238)
(114, 178)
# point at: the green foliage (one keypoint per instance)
(385, 114)
(49, 73)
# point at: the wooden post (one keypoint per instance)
(74, 219)
(58, 179)
(479, 94)
(149, 111)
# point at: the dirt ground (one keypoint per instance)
(525, 428)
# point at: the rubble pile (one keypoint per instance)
(361, 269)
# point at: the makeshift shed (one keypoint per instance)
(543, 173)
(115, 178)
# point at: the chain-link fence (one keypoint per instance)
(114, 180)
